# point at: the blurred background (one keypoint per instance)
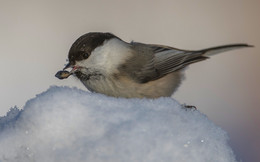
(35, 37)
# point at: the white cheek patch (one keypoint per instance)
(108, 57)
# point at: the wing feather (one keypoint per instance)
(158, 60)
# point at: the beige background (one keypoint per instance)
(35, 37)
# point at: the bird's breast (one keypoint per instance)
(122, 86)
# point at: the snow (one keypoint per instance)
(67, 124)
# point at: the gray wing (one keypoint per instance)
(168, 59)
(158, 61)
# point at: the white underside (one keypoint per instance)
(124, 87)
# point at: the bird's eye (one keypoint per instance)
(86, 55)
(83, 55)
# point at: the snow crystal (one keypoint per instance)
(67, 124)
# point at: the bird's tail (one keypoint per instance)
(215, 50)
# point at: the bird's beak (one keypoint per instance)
(68, 66)
(63, 74)
(74, 68)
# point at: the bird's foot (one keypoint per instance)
(189, 107)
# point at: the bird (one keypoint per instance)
(106, 64)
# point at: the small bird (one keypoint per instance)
(106, 64)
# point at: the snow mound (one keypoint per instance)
(70, 125)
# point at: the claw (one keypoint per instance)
(189, 107)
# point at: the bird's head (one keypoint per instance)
(95, 54)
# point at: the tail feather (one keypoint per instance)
(215, 50)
